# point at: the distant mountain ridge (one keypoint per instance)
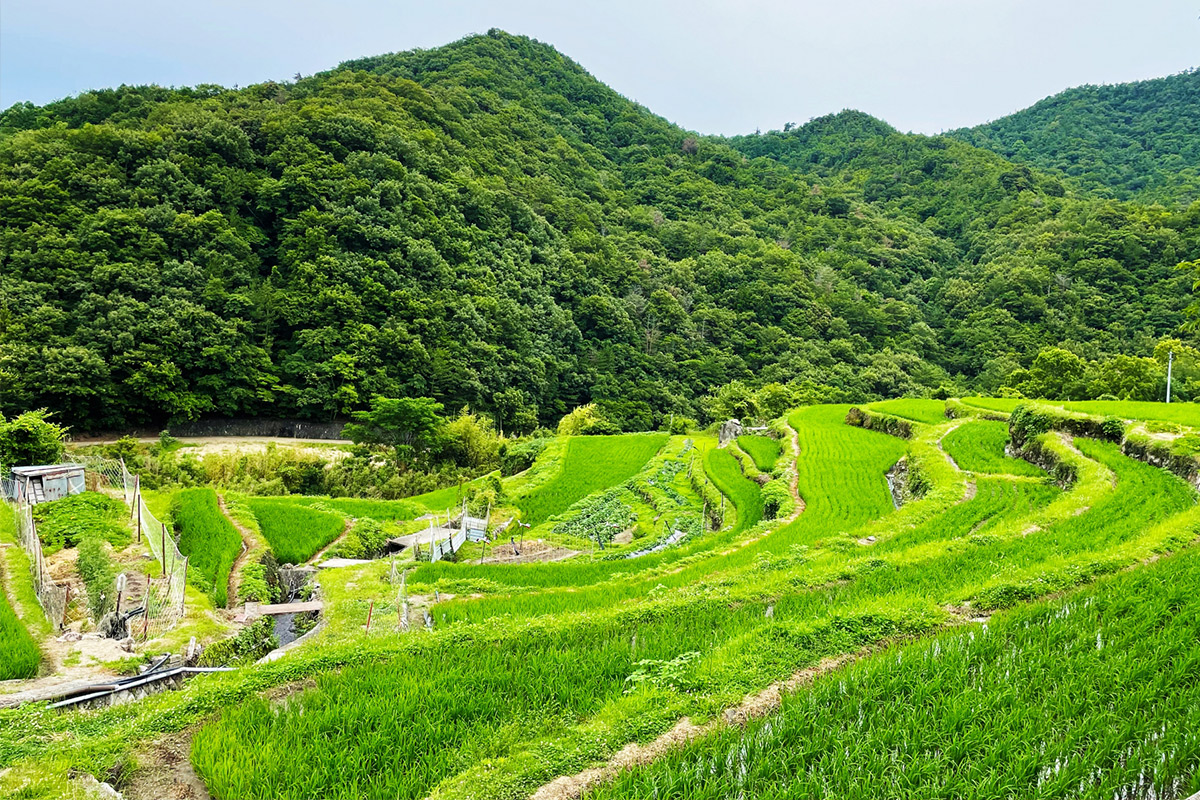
(1130, 140)
(487, 224)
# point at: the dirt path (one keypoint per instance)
(753, 706)
(949, 457)
(794, 488)
(248, 542)
(320, 554)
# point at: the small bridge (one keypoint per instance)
(255, 610)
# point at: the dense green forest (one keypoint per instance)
(487, 225)
(1130, 140)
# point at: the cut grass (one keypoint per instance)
(591, 463)
(207, 538)
(295, 532)
(978, 446)
(763, 449)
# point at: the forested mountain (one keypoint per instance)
(486, 224)
(1130, 140)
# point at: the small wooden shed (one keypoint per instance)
(46, 482)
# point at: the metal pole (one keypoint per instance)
(183, 595)
(164, 547)
(1170, 363)
(137, 504)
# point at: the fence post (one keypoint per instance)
(370, 611)
(164, 547)
(183, 594)
(146, 609)
(137, 502)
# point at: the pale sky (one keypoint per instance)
(712, 66)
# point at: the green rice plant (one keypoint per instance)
(207, 538)
(295, 532)
(19, 653)
(978, 446)
(591, 463)
(63, 523)
(745, 494)
(930, 412)
(1092, 696)
(382, 510)
(1004, 405)
(763, 449)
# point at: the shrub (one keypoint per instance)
(98, 574)
(519, 456)
(367, 539)
(254, 642)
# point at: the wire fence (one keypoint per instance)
(160, 592)
(52, 597)
(165, 592)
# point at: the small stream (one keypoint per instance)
(284, 623)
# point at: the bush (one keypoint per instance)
(520, 456)
(367, 539)
(586, 420)
(1113, 428)
(30, 438)
(254, 642)
(98, 574)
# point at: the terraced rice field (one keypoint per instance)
(1090, 696)
(762, 449)
(930, 412)
(592, 463)
(207, 538)
(545, 669)
(295, 533)
(978, 446)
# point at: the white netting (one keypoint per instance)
(165, 581)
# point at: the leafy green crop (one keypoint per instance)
(63, 523)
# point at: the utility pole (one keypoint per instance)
(1170, 363)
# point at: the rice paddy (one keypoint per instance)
(536, 670)
(295, 532)
(207, 538)
(762, 449)
(978, 446)
(591, 463)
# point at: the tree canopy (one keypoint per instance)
(486, 225)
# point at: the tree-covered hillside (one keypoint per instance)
(487, 225)
(1130, 140)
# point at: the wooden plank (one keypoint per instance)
(290, 608)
